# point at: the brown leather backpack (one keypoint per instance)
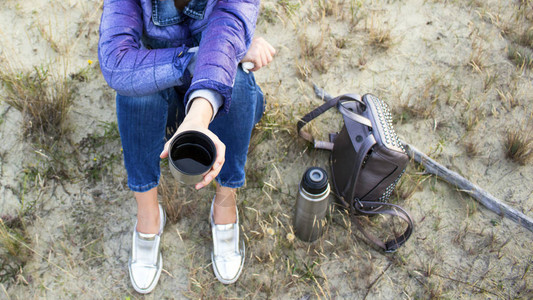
(367, 160)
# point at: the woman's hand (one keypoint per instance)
(260, 53)
(198, 119)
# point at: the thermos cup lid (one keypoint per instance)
(315, 180)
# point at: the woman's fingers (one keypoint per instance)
(258, 64)
(268, 56)
(164, 154)
(219, 146)
(260, 53)
(217, 165)
(267, 49)
(264, 57)
(271, 49)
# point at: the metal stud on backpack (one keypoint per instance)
(367, 160)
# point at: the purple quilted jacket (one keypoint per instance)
(226, 28)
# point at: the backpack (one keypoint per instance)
(367, 161)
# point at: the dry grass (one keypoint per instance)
(409, 183)
(472, 116)
(43, 100)
(471, 149)
(478, 56)
(525, 38)
(331, 8)
(178, 201)
(519, 146)
(46, 34)
(14, 251)
(290, 7)
(268, 14)
(303, 70)
(489, 80)
(525, 9)
(521, 56)
(379, 34)
(508, 96)
(321, 54)
(424, 100)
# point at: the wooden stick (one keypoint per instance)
(433, 167)
(468, 187)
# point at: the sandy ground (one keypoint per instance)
(443, 68)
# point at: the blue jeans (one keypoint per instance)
(145, 123)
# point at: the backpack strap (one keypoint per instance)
(350, 114)
(312, 115)
(383, 208)
(323, 108)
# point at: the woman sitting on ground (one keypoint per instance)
(175, 67)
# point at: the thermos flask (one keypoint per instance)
(311, 204)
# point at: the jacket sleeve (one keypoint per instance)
(230, 29)
(129, 68)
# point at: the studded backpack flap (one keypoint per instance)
(367, 160)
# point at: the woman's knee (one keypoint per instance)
(246, 94)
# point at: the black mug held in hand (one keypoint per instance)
(191, 155)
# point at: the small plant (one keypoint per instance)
(51, 162)
(489, 81)
(178, 201)
(521, 56)
(331, 8)
(14, 251)
(268, 14)
(471, 149)
(303, 70)
(471, 118)
(319, 54)
(409, 184)
(379, 35)
(362, 61)
(519, 146)
(525, 9)
(48, 37)
(43, 100)
(423, 103)
(275, 121)
(290, 7)
(526, 38)
(83, 74)
(101, 151)
(340, 43)
(380, 38)
(477, 57)
(508, 97)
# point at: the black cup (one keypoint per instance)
(191, 156)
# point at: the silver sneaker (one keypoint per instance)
(228, 252)
(146, 263)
